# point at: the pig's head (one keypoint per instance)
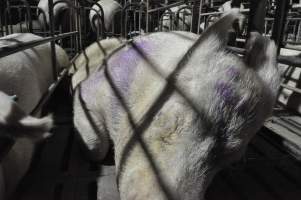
(14, 122)
(221, 102)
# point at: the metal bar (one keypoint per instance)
(166, 7)
(294, 89)
(196, 13)
(7, 50)
(51, 28)
(256, 16)
(28, 12)
(279, 22)
(147, 16)
(293, 47)
(290, 60)
(199, 17)
(287, 60)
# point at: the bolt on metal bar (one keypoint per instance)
(7, 50)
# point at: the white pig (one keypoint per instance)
(92, 58)
(58, 10)
(26, 74)
(178, 108)
(110, 8)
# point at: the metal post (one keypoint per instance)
(195, 15)
(199, 17)
(147, 16)
(53, 52)
(282, 7)
(257, 16)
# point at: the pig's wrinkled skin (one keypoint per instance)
(110, 7)
(85, 64)
(178, 108)
(26, 131)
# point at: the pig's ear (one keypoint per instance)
(216, 36)
(259, 50)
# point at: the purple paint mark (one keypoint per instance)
(122, 67)
(226, 92)
(233, 72)
(89, 86)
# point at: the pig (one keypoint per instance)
(26, 131)
(176, 18)
(178, 107)
(110, 8)
(58, 11)
(28, 73)
(91, 58)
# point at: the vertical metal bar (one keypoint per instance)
(53, 52)
(196, 10)
(28, 12)
(147, 16)
(257, 15)
(19, 19)
(279, 22)
(9, 18)
(199, 17)
(298, 32)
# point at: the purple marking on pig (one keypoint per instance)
(233, 72)
(122, 67)
(226, 92)
(88, 86)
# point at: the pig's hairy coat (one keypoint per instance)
(85, 64)
(175, 125)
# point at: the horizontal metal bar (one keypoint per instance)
(8, 50)
(290, 60)
(297, 90)
(217, 13)
(293, 47)
(166, 7)
(287, 60)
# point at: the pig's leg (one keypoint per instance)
(90, 129)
